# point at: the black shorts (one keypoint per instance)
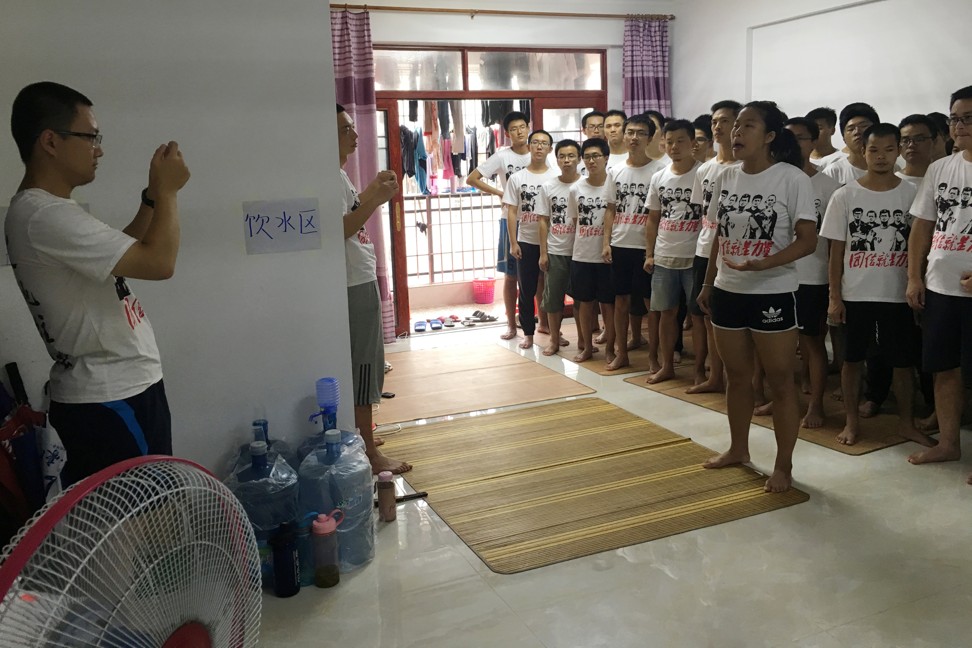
(812, 302)
(590, 281)
(946, 324)
(769, 313)
(891, 325)
(699, 267)
(628, 274)
(97, 435)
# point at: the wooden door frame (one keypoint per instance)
(399, 269)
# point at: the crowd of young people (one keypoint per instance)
(753, 229)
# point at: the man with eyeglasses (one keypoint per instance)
(626, 233)
(108, 400)
(855, 118)
(943, 292)
(918, 134)
(522, 218)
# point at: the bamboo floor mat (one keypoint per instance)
(535, 486)
(877, 432)
(437, 382)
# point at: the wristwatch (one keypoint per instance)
(148, 202)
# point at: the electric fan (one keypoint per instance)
(151, 552)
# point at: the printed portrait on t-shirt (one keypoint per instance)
(677, 204)
(949, 202)
(558, 211)
(878, 230)
(760, 215)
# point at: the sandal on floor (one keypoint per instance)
(420, 327)
(482, 317)
(435, 325)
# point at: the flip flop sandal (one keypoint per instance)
(420, 327)
(468, 322)
(454, 318)
(388, 394)
(435, 325)
(477, 314)
(449, 324)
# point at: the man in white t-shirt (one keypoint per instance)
(502, 164)
(672, 232)
(944, 294)
(703, 150)
(614, 121)
(656, 147)
(520, 202)
(812, 270)
(917, 138)
(108, 400)
(855, 118)
(626, 233)
(823, 149)
(867, 287)
(364, 301)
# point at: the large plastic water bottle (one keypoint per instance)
(328, 399)
(315, 475)
(353, 493)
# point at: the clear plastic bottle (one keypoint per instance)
(386, 497)
(326, 571)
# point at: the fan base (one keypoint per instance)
(191, 635)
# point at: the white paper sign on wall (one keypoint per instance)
(281, 225)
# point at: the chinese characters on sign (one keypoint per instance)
(281, 225)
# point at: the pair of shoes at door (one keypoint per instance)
(480, 316)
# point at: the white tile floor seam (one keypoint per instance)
(879, 556)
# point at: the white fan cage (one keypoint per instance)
(159, 545)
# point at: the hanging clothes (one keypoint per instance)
(433, 144)
(447, 169)
(458, 129)
(407, 138)
(472, 149)
(413, 110)
(444, 127)
(421, 162)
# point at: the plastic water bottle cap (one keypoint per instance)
(385, 476)
(325, 524)
(258, 447)
(332, 436)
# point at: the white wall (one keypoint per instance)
(898, 55)
(247, 90)
(450, 29)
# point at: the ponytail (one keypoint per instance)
(784, 147)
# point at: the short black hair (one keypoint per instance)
(540, 131)
(704, 124)
(593, 113)
(807, 122)
(662, 119)
(680, 124)
(734, 106)
(513, 116)
(958, 95)
(564, 143)
(340, 109)
(826, 113)
(643, 120)
(921, 120)
(857, 109)
(941, 123)
(614, 112)
(39, 107)
(784, 147)
(596, 142)
(882, 130)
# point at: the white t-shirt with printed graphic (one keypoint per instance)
(504, 163)
(631, 184)
(945, 197)
(749, 232)
(617, 159)
(523, 192)
(552, 203)
(680, 223)
(813, 268)
(915, 180)
(94, 328)
(587, 205)
(843, 171)
(359, 251)
(705, 178)
(820, 163)
(874, 226)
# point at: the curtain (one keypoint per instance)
(354, 81)
(645, 69)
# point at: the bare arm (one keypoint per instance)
(475, 179)
(609, 215)
(835, 276)
(919, 244)
(380, 191)
(511, 230)
(544, 232)
(140, 224)
(651, 237)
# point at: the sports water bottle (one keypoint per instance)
(286, 561)
(305, 549)
(326, 572)
(386, 497)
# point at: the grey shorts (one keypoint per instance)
(557, 285)
(367, 343)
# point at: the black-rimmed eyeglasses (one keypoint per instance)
(94, 138)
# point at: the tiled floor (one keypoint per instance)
(880, 556)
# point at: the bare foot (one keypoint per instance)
(661, 375)
(609, 356)
(766, 409)
(379, 441)
(699, 378)
(564, 342)
(813, 419)
(678, 358)
(509, 335)
(617, 363)
(837, 394)
(709, 386)
(543, 330)
(637, 344)
(779, 482)
(527, 342)
(913, 434)
(805, 387)
(380, 462)
(938, 453)
(551, 349)
(928, 424)
(601, 339)
(847, 436)
(583, 356)
(727, 458)
(867, 409)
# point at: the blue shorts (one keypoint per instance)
(666, 284)
(505, 262)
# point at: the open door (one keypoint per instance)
(390, 157)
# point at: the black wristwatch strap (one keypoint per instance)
(148, 202)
